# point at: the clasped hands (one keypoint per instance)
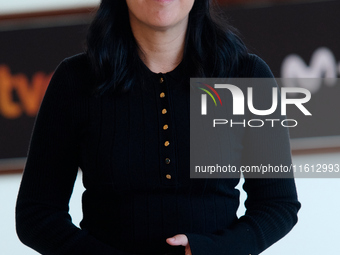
(180, 240)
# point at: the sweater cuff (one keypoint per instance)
(240, 240)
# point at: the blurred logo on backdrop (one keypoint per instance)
(30, 51)
(20, 95)
(322, 65)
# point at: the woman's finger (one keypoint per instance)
(178, 240)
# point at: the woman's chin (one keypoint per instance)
(163, 24)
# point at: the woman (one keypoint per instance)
(120, 113)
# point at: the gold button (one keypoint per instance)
(164, 111)
(168, 176)
(165, 127)
(162, 95)
(161, 80)
(167, 161)
(167, 143)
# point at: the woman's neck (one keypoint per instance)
(160, 50)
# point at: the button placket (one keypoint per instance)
(167, 167)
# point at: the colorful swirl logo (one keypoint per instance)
(209, 93)
(204, 97)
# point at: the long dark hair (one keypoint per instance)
(211, 48)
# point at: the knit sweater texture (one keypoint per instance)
(138, 191)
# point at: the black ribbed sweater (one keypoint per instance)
(134, 199)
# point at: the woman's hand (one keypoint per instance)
(180, 240)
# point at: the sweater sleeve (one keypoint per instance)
(42, 219)
(271, 204)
